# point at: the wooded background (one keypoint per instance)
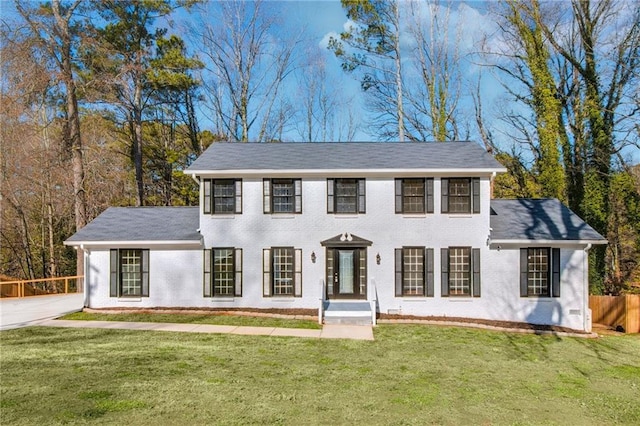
(105, 102)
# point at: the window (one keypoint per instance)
(414, 195)
(460, 271)
(222, 196)
(282, 195)
(414, 271)
(129, 273)
(346, 195)
(461, 195)
(282, 271)
(223, 272)
(540, 272)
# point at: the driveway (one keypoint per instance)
(21, 312)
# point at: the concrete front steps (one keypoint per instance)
(347, 312)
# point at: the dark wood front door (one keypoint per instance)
(347, 280)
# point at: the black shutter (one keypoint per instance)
(237, 266)
(145, 273)
(555, 265)
(398, 256)
(206, 276)
(362, 187)
(297, 188)
(428, 261)
(475, 268)
(444, 272)
(114, 273)
(524, 272)
(475, 183)
(330, 201)
(297, 273)
(266, 195)
(444, 207)
(398, 195)
(266, 272)
(206, 196)
(238, 200)
(428, 184)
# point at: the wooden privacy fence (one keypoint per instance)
(617, 311)
(41, 286)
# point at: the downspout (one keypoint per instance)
(585, 278)
(87, 271)
(491, 182)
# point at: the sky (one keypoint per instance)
(323, 18)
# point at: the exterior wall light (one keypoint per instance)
(378, 258)
(313, 257)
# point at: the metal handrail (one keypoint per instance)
(374, 301)
(321, 307)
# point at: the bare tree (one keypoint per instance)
(55, 27)
(247, 66)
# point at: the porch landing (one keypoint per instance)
(347, 312)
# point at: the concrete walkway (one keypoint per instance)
(22, 312)
(355, 332)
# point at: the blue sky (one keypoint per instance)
(322, 18)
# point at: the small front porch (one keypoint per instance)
(347, 312)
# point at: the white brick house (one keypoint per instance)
(409, 227)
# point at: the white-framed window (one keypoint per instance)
(129, 273)
(460, 271)
(282, 272)
(222, 196)
(540, 272)
(414, 271)
(282, 195)
(223, 272)
(460, 195)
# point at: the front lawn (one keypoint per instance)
(216, 319)
(411, 374)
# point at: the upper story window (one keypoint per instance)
(282, 195)
(414, 195)
(460, 271)
(461, 195)
(540, 272)
(222, 196)
(346, 196)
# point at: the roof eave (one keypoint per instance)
(348, 172)
(134, 243)
(494, 243)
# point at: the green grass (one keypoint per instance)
(239, 320)
(411, 374)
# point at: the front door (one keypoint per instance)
(347, 280)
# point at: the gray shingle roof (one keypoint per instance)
(141, 224)
(344, 155)
(539, 219)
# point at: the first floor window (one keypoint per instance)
(460, 271)
(282, 271)
(222, 196)
(129, 273)
(414, 271)
(223, 272)
(539, 272)
(460, 195)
